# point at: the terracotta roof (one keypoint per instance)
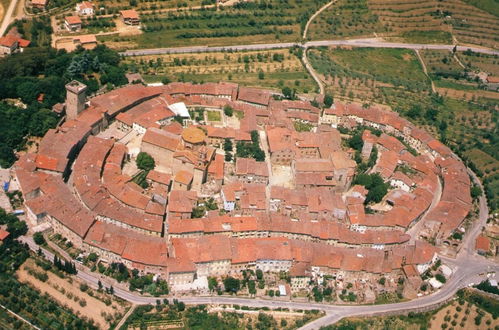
(159, 177)
(3, 234)
(184, 177)
(85, 5)
(129, 14)
(249, 166)
(161, 138)
(8, 41)
(71, 20)
(39, 2)
(482, 243)
(216, 167)
(193, 135)
(254, 95)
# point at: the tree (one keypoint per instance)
(231, 284)
(476, 191)
(38, 238)
(92, 257)
(355, 142)
(212, 283)
(289, 93)
(261, 75)
(228, 111)
(440, 278)
(198, 212)
(328, 100)
(145, 161)
(259, 274)
(377, 193)
(228, 147)
(252, 287)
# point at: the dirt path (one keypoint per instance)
(127, 315)
(327, 5)
(312, 72)
(93, 308)
(2, 12)
(7, 17)
(424, 70)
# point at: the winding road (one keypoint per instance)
(468, 268)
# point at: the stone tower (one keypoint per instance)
(75, 98)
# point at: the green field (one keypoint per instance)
(490, 6)
(242, 23)
(428, 37)
(345, 18)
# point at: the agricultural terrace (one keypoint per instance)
(346, 18)
(422, 21)
(365, 73)
(242, 23)
(471, 311)
(395, 77)
(175, 315)
(114, 6)
(274, 68)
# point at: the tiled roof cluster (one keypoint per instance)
(111, 213)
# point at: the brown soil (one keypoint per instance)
(94, 307)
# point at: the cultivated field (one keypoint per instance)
(274, 68)
(69, 294)
(242, 23)
(345, 18)
(422, 21)
(459, 314)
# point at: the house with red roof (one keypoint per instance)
(72, 23)
(482, 244)
(10, 45)
(85, 8)
(130, 17)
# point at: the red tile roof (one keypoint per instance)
(72, 20)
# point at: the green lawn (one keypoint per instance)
(214, 116)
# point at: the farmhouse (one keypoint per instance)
(130, 17)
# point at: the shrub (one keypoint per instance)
(38, 238)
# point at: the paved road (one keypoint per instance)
(467, 269)
(367, 42)
(7, 17)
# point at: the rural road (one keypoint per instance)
(7, 17)
(368, 42)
